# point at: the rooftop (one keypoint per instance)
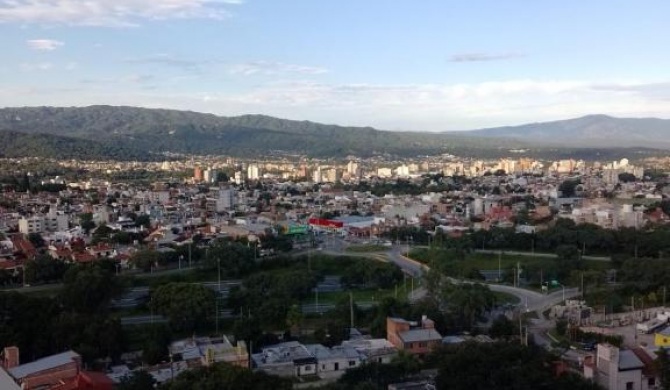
(6, 381)
(418, 335)
(629, 361)
(46, 363)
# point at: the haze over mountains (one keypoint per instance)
(589, 131)
(140, 133)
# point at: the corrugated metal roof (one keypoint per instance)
(628, 360)
(418, 335)
(46, 363)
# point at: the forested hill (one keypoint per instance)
(156, 131)
(15, 144)
(126, 133)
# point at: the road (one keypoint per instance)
(529, 301)
(535, 254)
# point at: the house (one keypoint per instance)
(621, 369)
(333, 362)
(286, 359)
(206, 350)
(373, 350)
(46, 373)
(416, 339)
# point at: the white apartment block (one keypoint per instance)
(253, 172)
(51, 222)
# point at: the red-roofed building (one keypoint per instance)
(657, 216)
(101, 250)
(22, 247)
(83, 257)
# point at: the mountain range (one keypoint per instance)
(124, 133)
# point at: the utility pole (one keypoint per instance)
(316, 299)
(351, 309)
(499, 267)
(520, 329)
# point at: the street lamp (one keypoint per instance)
(556, 283)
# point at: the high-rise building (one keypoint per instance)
(210, 175)
(239, 177)
(253, 172)
(226, 199)
(197, 174)
(317, 176)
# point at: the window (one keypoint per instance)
(652, 382)
(308, 368)
(629, 385)
(352, 363)
(423, 345)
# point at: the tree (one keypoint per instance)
(567, 188)
(568, 259)
(138, 380)
(156, 344)
(233, 258)
(143, 221)
(86, 222)
(89, 288)
(379, 376)
(223, 376)
(186, 305)
(626, 177)
(145, 259)
(294, 319)
(503, 328)
(502, 366)
(36, 239)
(44, 269)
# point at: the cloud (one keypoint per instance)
(111, 13)
(44, 44)
(274, 68)
(429, 107)
(483, 57)
(39, 66)
(167, 60)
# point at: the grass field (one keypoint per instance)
(506, 261)
(365, 295)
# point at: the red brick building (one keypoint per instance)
(415, 338)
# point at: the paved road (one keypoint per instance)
(535, 254)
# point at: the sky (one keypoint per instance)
(423, 65)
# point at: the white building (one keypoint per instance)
(618, 369)
(384, 172)
(226, 200)
(53, 221)
(317, 175)
(333, 362)
(253, 172)
(402, 171)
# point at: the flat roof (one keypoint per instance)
(418, 335)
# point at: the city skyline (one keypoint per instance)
(436, 66)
